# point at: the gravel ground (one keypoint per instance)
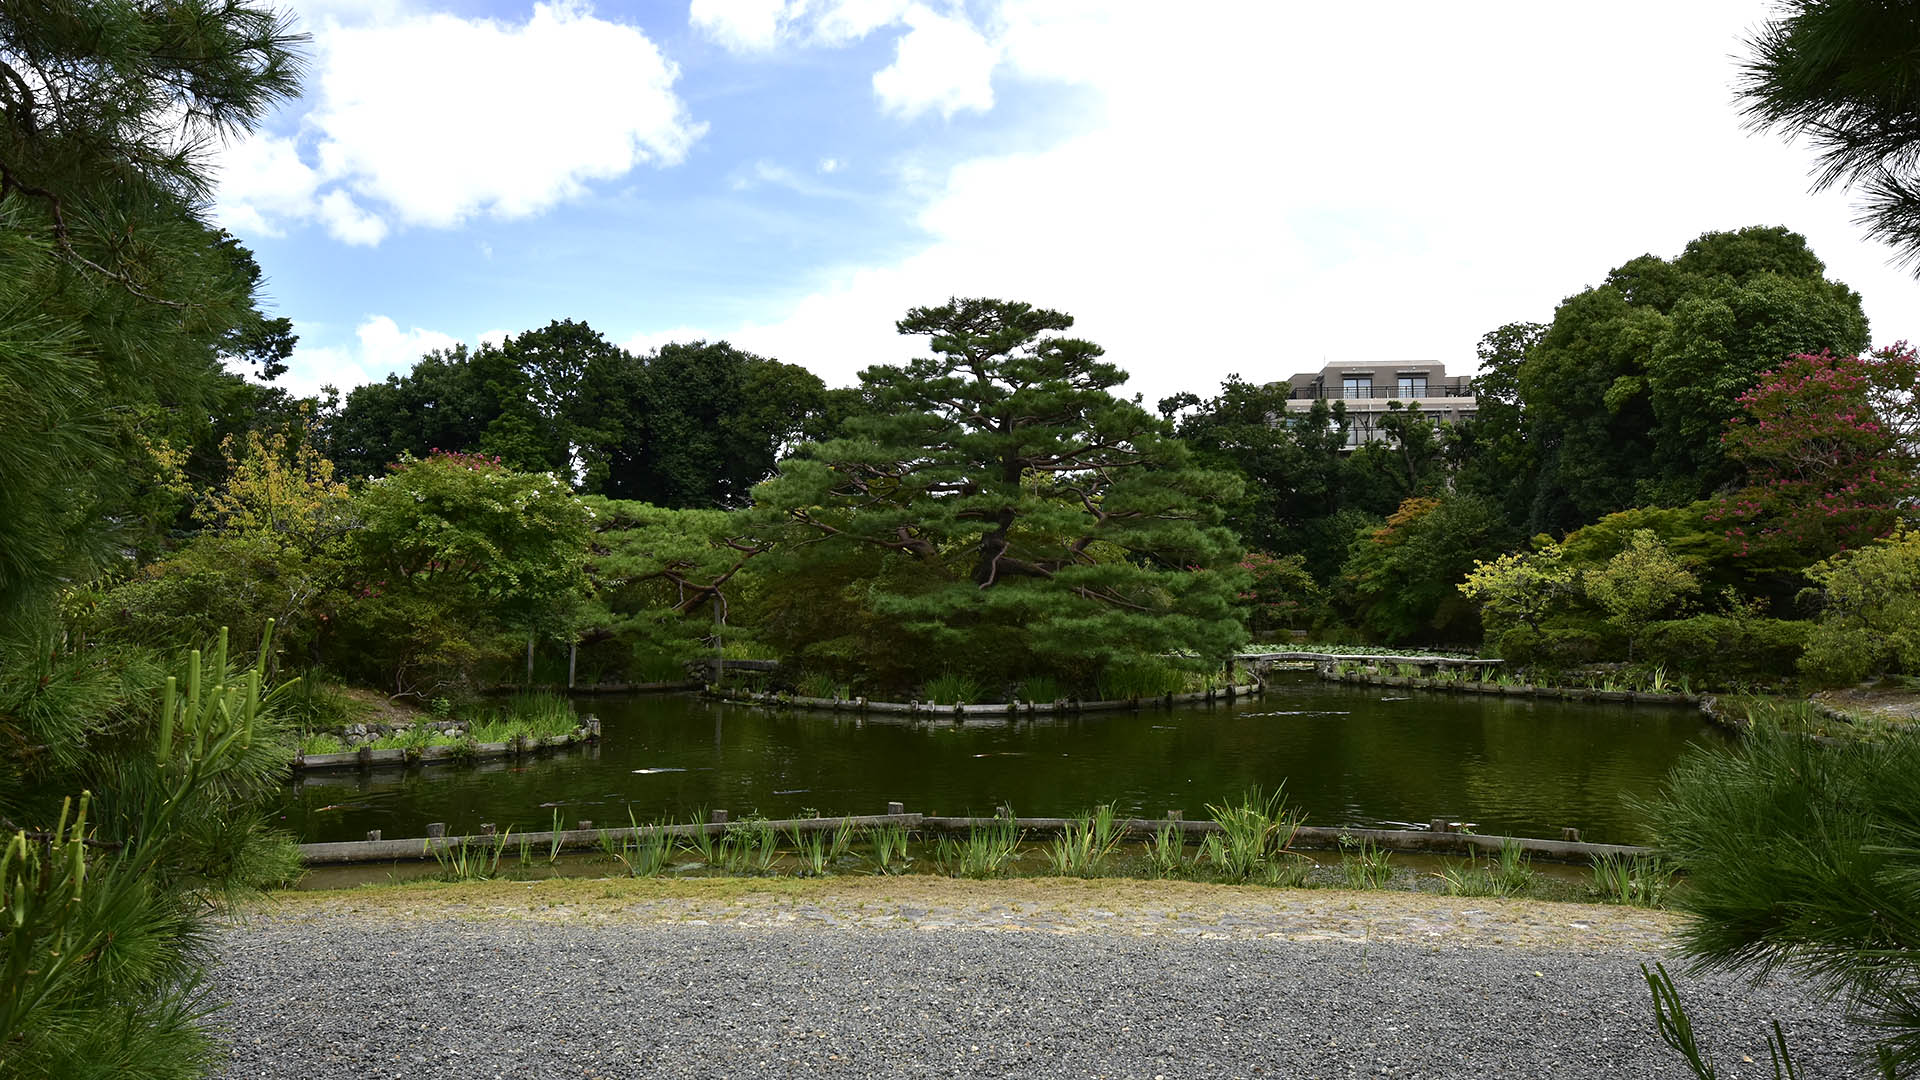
(409, 989)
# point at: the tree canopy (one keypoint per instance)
(1041, 519)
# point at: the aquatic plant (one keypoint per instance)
(818, 685)
(984, 853)
(1085, 847)
(748, 846)
(470, 858)
(1044, 689)
(819, 849)
(953, 688)
(1367, 866)
(1627, 879)
(1140, 679)
(1252, 835)
(889, 848)
(1167, 852)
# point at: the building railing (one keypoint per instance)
(1380, 393)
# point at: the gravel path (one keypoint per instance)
(935, 979)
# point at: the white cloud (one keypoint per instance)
(432, 119)
(743, 25)
(379, 347)
(942, 63)
(831, 165)
(1241, 197)
(348, 222)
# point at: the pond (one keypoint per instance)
(1359, 756)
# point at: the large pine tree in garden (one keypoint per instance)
(1013, 515)
(129, 787)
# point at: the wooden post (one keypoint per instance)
(529, 659)
(1440, 824)
(1571, 836)
(1176, 815)
(366, 757)
(573, 655)
(486, 828)
(436, 829)
(895, 809)
(373, 835)
(584, 824)
(717, 817)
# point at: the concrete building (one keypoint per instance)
(1367, 387)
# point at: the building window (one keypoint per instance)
(1360, 386)
(1413, 386)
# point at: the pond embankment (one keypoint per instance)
(884, 977)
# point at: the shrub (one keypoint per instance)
(1567, 641)
(953, 689)
(1725, 645)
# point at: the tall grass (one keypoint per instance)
(642, 853)
(819, 849)
(536, 715)
(889, 848)
(1140, 678)
(1254, 835)
(1167, 852)
(1086, 846)
(470, 859)
(953, 688)
(748, 847)
(820, 685)
(984, 853)
(1367, 866)
(1624, 879)
(1043, 689)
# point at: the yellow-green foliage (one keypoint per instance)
(1870, 620)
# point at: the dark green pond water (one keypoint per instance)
(1348, 756)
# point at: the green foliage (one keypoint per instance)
(1725, 647)
(1627, 879)
(1022, 517)
(953, 688)
(103, 894)
(985, 852)
(1521, 588)
(889, 848)
(663, 581)
(1041, 688)
(1367, 866)
(1167, 853)
(1639, 584)
(1085, 847)
(1281, 594)
(1562, 642)
(454, 554)
(691, 425)
(1869, 612)
(1804, 855)
(1255, 837)
(1840, 74)
(1140, 678)
(1627, 392)
(1404, 576)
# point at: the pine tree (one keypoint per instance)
(1025, 517)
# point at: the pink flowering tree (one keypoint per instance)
(1828, 446)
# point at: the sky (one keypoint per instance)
(1209, 188)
